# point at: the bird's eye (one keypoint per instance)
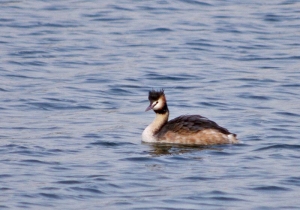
(154, 103)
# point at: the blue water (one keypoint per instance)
(74, 82)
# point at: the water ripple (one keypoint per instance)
(271, 188)
(74, 82)
(69, 182)
(57, 106)
(280, 147)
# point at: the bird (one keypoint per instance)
(183, 130)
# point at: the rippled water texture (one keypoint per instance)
(74, 82)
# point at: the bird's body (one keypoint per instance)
(185, 129)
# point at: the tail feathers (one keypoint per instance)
(232, 138)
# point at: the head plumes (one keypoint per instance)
(157, 101)
(155, 95)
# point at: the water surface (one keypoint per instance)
(74, 82)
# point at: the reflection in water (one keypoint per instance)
(175, 149)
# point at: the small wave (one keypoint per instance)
(116, 7)
(30, 63)
(273, 18)
(69, 182)
(179, 77)
(293, 181)
(119, 91)
(223, 198)
(194, 2)
(110, 143)
(50, 195)
(160, 30)
(3, 176)
(288, 114)
(255, 97)
(107, 19)
(280, 146)
(39, 162)
(144, 159)
(199, 178)
(57, 106)
(28, 52)
(91, 190)
(271, 188)
(213, 104)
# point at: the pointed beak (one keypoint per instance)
(150, 107)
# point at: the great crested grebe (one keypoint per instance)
(185, 129)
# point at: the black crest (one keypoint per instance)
(154, 95)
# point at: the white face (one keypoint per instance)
(157, 105)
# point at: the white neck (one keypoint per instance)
(159, 121)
